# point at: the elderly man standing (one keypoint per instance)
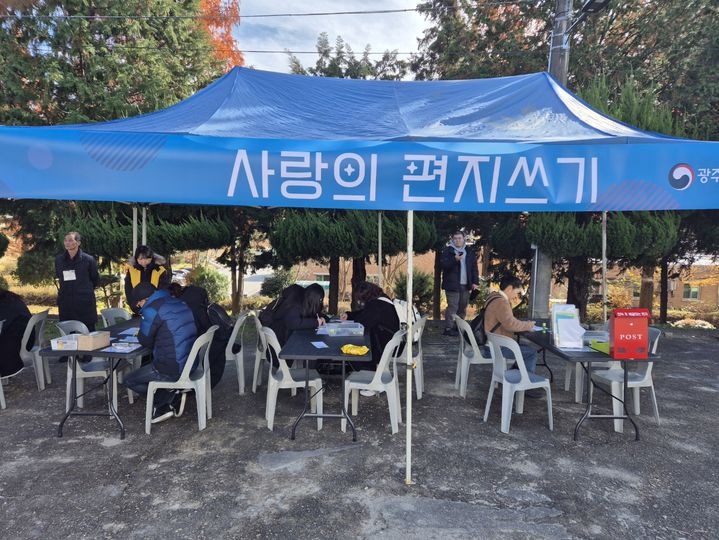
(76, 271)
(459, 276)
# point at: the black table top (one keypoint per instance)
(299, 347)
(114, 330)
(586, 353)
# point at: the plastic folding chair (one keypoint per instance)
(470, 354)
(513, 381)
(31, 356)
(198, 380)
(260, 351)
(636, 380)
(112, 316)
(237, 356)
(381, 380)
(284, 377)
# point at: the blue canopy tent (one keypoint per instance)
(266, 139)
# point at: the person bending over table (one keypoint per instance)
(499, 319)
(378, 315)
(298, 309)
(168, 328)
(15, 315)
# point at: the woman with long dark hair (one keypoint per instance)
(298, 308)
(15, 316)
(377, 315)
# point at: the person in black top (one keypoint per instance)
(197, 300)
(77, 274)
(378, 315)
(459, 276)
(300, 309)
(15, 316)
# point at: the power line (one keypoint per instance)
(248, 16)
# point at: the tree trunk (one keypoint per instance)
(580, 276)
(334, 284)
(486, 261)
(646, 294)
(234, 299)
(359, 274)
(437, 290)
(664, 296)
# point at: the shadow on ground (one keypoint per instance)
(237, 479)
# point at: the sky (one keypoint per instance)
(385, 31)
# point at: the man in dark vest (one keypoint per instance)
(459, 276)
(76, 271)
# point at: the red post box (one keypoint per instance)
(629, 334)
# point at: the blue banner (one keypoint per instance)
(46, 163)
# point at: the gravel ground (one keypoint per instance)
(237, 479)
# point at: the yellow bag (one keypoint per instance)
(354, 350)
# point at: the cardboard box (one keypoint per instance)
(93, 341)
(629, 334)
(64, 343)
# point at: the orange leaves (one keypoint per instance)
(220, 17)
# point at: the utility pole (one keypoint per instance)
(541, 285)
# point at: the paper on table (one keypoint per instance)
(320, 344)
(322, 331)
(129, 332)
(570, 332)
(129, 339)
(122, 348)
(537, 328)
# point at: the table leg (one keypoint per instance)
(307, 394)
(73, 395)
(544, 364)
(342, 404)
(111, 396)
(624, 401)
(590, 398)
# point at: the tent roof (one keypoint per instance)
(247, 103)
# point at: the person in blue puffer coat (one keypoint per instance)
(168, 328)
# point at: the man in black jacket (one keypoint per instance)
(459, 276)
(77, 274)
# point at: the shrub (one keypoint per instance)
(693, 323)
(276, 283)
(422, 288)
(4, 283)
(215, 283)
(255, 302)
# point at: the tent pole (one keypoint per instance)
(379, 249)
(134, 229)
(604, 265)
(144, 225)
(408, 345)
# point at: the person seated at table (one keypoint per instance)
(146, 267)
(15, 316)
(197, 300)
(298, 308)
(378, 315)
(168, 328)
(499, 319)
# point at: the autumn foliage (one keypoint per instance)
(220, 17)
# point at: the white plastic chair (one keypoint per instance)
(513, 380)
(380, 380)
(199, 381)
(418, 331)
(111, 316)
(32, 356)
(260, 350)
(469, 354)
(285, 377)
(636, 380)
(97, 368)
(237, 357)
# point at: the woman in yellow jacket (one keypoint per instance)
(146, 267)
